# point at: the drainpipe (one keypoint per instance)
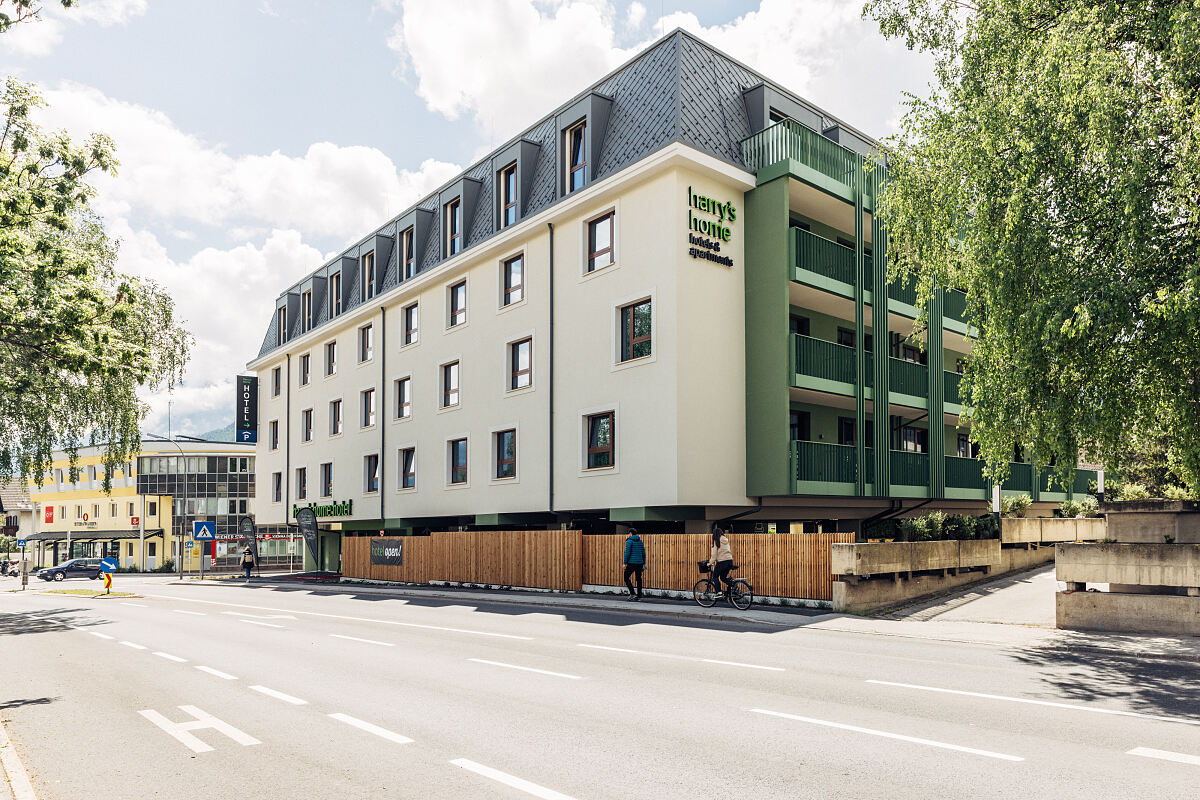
(550, 371)
(381, 414)
(287, 441)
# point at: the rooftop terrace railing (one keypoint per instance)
(789, 139)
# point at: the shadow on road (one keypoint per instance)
(50, 621)
(33, 701)
(1147, 685)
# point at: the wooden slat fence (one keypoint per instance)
(776, 564)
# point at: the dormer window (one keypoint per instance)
(508, 195)
(453, 227)
(576, 141)
(335, 294)
(367, 274)
(775, 115)
(282, 315)
(306, 310)
(406, 253)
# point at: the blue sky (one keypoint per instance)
(260, 136)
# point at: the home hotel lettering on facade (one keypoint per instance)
(665, 304)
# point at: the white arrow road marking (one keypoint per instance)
(886, 735)
(218, 673)
(258, 616)
(287, 698)
(1165, 755)
(510, 780)
(369, 728)
(182, 730)
(526, 669)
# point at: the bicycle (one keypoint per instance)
(707, 591)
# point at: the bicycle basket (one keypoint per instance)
(703, 566)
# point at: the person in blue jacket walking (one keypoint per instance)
(635, 562)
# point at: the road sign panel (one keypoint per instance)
(189, 545)
(107, 581)
(108, 564)
(204, 530)
(133, 521)
(20, 542)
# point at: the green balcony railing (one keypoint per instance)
(904, 293)
(822, 256)
(909, 378)
(1083, 479)
(789, 139)
(1020, 478)
(822, 359)
(954, 305)
(818, 461)
(951, 390)
(910, 469)
(965, 473)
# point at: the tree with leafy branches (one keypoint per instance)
(77, 338)
(1052, 173)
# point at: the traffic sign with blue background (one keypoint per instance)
(204, 530)
(108, 565)
(189, 545)
(20, 542)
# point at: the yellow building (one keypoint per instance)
(145, 518)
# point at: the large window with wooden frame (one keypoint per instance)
(412, 319)
(306, 425)
(513, 281)
(407, 467)
(301, 483)
(305, 369)
(600, 235)
(576, 151)
(601, 440)
(636, 328)
(452, 223)
(506, 454)
(367, 408)
(403, 398)
(458, 461)
(306, 310)
(508, 195)
(331, 358)
(520, 364)
(407, 254)
(366, 343)
(371, 474)
(335, 294)
(458, 304)
(367, 275)
(450, 384)
(335, 417)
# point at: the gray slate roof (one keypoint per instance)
(14, 495)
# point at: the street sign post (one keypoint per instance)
(108, 566)
(203, 531)
(107, 582)
(20, 542)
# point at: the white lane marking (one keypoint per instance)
(135, 605)
(526, 669)
(256, 622)
(218, 673)
(1051, 704)
(613, 649)
(383, 733)
(193, 613)
(10, 764)
(1165, 755)
(258, 616)
(134, 646)
(510, 780)
(101, 635)
(170, 657)
(342, 616)
(181, 731)
(886, 735)
(740, 664)
(287, 698)
(356, 639)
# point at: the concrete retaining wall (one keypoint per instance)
(1050, 530)
(869, 595)
(1141, 564)
(881, 558)
(1125, 613)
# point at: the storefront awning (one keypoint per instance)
(85, 535)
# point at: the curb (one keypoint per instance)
(10, 763)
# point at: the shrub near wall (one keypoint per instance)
(936, 527)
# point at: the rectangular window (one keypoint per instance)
(152, 508)
(327, 479)
(846, 432)
(306, 425)
(112, 510)
(600, 241)
(371, 473)
(273, 429)
(520, 364)
(407, 254)
(576, 141)
(600, 440)
(450, 385)
(635, 331)
(458, 461)
(366, 274)
(335, 294)
(453, 227)
(408, 468)
(412, 319)
(305, 367)
(514, 281)
(277, 487)
(776, 115)
(368, 408)
(798, 324)
(335, 417)
(276, 381)
(506, 454)
(301, 483)
(508, 195)
(845, 337)
(458, 304)
(403, 398)
(366, 343)
(282, 324)
(801, 426)
(964, 446)
(306, 311)
(131, 510)
(330, 358)
(914, 440)
(912, 354)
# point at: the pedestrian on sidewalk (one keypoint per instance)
(720, 558)
(635, 562)
(247, 562)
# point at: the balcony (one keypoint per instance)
(910, 469)
(965, 473)
(824, 463)
(790, 140)
(951, 388)
(829, 259)
(1020, 479)
(909, 378)
(954, 305)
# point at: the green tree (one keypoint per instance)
(77, 338)
(1052, 174)
(13, 12)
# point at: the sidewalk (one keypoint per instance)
(993, 634)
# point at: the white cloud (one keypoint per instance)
(38, 37)
(635, 15)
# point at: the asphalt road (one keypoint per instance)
(205, 691)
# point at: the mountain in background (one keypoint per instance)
(220, 434)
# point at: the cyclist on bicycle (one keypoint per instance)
(720, 560)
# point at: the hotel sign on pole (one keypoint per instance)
(247, 409)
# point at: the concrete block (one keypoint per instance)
(1139, 564)
(1154, 521)
(1128, 613)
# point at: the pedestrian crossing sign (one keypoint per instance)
(203, 530)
